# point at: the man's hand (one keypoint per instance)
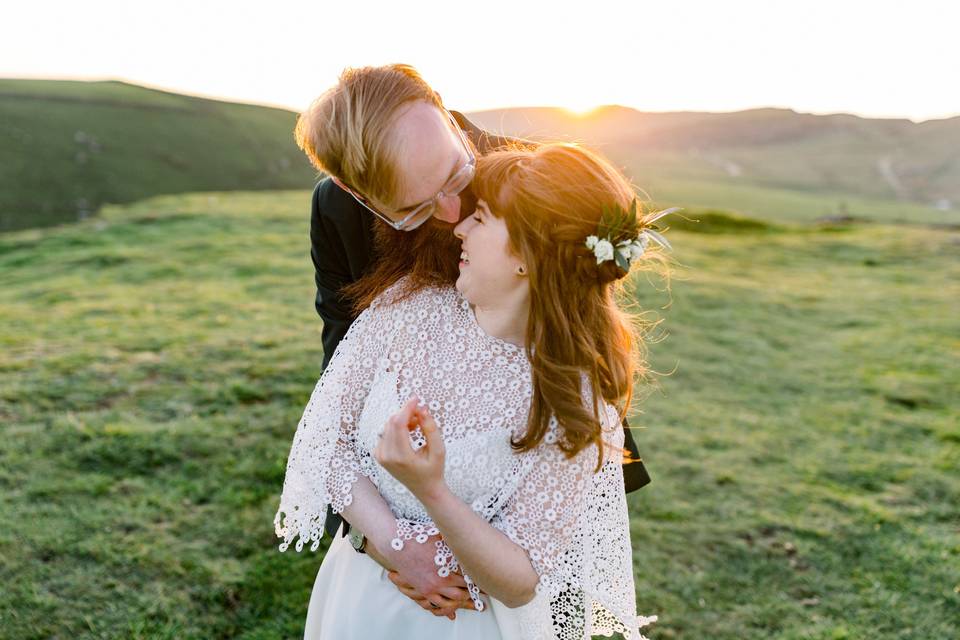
(413, 571)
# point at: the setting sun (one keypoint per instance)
(581, 111)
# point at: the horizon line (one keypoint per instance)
(575, 112)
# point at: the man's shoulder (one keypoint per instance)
(332, 203)
(487, 142)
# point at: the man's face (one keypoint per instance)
(432, 153)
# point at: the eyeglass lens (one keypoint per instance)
(457, 184)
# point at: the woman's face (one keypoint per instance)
(488, 268)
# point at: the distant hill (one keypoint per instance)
(886, 159)
(66, 147)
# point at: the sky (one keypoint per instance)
(889, 59)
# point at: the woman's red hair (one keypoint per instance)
(551, 200)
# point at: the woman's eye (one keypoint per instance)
(476, 217)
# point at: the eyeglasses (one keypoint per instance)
(425, 210)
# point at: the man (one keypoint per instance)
(399, 167)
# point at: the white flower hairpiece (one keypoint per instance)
(614, 222)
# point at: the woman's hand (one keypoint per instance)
(421, 471)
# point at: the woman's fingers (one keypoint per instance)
(443, 601)
(456, 592)
(406, 414)
(447, 597)
(444, 606)
(395, 442)
(458, 595)
(395, 438)
(395, 579)
(407, 590)
(447, 608)
(455, 580)
(425, 604)
(413, 594)
(392, 435)
(431, 433)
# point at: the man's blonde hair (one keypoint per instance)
(346, 131)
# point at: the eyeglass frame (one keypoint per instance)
(402, 225)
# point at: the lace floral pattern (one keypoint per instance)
(572, 522)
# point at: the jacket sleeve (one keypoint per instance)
(331, 272)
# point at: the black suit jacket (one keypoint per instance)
(342, 247)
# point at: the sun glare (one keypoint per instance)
(581, 111)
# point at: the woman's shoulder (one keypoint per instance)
(405, 295)
(404, 314)
(407, 314)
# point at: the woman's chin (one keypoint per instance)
(463, 286)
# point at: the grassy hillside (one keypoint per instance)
(67, 147)
(914, 167)
(781, 205)
(804, 448)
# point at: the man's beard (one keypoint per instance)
(429, 255)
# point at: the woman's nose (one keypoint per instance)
(461, 229)
(448, 209)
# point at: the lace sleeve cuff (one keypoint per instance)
(444, 559)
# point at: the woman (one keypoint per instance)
(513, 452)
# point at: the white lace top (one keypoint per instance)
(572, 523)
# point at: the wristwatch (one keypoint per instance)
(357, 540)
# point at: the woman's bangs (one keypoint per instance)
(493, 180)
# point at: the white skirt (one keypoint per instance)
(353, 599)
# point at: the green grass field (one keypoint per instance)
(804, 438)
(786, 204)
